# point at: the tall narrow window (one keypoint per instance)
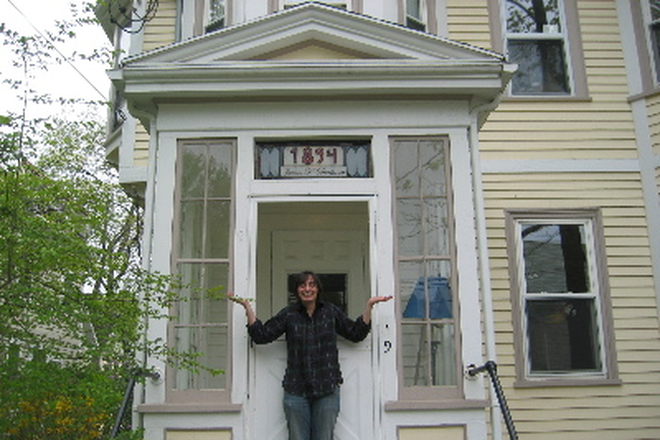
(202, 258)
(425, 267)
(536, 40)
(561, 297)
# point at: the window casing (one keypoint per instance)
(426, 269)
(560, 295)
(346, 4)
(203, 231)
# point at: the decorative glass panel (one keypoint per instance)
(314, 159)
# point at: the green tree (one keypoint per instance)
(74, 301)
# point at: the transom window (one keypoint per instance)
(425, 267)
(561, 296)
(536, 40)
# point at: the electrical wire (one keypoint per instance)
(52, 45)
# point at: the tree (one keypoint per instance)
(74, 301)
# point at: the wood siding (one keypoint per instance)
(598, 128)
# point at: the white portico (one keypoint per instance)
(317, 139)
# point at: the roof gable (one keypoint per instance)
(314, 31)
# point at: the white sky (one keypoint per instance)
(59, 80)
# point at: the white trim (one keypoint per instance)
(561, 166)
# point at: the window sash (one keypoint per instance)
(555, 80)
(551, 316)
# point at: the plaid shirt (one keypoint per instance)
(312, 358)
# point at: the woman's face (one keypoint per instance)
(308, 291)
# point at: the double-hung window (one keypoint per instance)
(216, 15)
(416, 14)
(560, 296)
(203, 226)
(426, 271)
(536, 40)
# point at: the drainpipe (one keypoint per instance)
(482, 249)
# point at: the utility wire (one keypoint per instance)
(52, 44)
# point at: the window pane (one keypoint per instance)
(562, 336)
(217, 235)
(217, 281)
(409, 227)
(541, 67)
(188, 307)
(412, 303)
(219, 169)
(555, 258)
(655, 9)
(526, 16)
(191, 229)
(415, 355)
(443, 361)
(433, 176)
(436, 226)
(210, 346)
(193, 174)
(406, 160)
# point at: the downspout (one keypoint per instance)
(482, 250)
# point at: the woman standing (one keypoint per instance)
(312, 378)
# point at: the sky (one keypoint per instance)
(29, 17)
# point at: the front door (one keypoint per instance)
(339, 256)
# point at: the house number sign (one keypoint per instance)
(316, 159)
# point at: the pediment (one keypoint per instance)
(313, 31)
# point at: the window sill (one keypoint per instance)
(190, 408)
(422, 405)
(566, 382)
(546, 98)
(655, 91)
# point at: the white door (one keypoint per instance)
(343, 254)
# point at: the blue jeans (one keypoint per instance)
(311, 418)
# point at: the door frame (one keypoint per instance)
(251, 234)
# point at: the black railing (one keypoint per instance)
(491, 368)
(121, 422)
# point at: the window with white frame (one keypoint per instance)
(425, 268)
(560, 295)
(536, 39)
(203, 231)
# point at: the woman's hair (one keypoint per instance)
(301, 278)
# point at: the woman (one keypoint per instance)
(312, 378)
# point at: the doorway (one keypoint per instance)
(331, 239)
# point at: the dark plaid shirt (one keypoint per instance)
(312, 358)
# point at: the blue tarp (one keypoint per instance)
(439, 299)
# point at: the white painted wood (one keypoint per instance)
(329, 252)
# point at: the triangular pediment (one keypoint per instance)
(313, 31)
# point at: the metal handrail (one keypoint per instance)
(491, 368)
(128, 394)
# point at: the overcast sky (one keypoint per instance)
(24, 16)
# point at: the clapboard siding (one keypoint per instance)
(627, 411)
(653, 111)
(161, 30)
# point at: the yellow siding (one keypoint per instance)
(141, 151)
(432, 433)
(160, 31)
(627, 411)
(468, 22)
(198, 435)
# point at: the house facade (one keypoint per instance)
(493, 164)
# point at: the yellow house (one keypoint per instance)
(493, 164)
